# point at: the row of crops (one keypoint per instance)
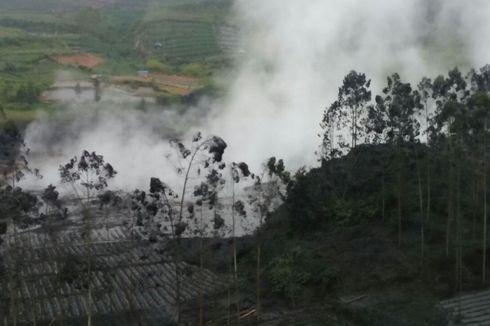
(187, 31)
(183, 41)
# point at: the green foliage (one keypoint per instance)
(125, 35)
(88, 20)
(348, 111)
(28, 94)
(287, 275)
(156, 66)
(16, 204)
(305, 202)
(10, 33)
(430, 194)
(195, 70)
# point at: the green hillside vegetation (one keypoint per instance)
(387, 226)
(125, 34)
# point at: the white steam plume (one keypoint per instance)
(296, 53)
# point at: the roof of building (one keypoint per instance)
(125, 276)
(469, 309)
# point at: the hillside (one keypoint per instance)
(334, 259)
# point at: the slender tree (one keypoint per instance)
(268, 192)
(346, 113)
(238, 172)
(480, 82)
(393, 119)
(201, 155)
(87, 175)
(451, 94)
(206, 194)
(426, 96)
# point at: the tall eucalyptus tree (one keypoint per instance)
(393, 119)
(346, 114)
(87, 175)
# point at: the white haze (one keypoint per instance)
(295, 54)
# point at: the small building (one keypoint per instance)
(143, 73)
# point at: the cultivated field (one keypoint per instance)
(179, 42)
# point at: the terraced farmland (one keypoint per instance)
(39, 39)
(181, 41)
(22, 52)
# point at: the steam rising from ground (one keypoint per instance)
(299, 51)
(135, 142)
(295, 56)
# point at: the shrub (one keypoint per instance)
(155, 65)
(195, 70)
(288, 275)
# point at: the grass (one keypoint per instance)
(21, 117)
(23, 114)
(188, 10)
(9, 33)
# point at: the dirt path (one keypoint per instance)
(81, 59)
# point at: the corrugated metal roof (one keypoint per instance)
(125, 276)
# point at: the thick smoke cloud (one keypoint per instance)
(135, 142)
(295, 54)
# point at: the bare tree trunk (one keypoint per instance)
(88, 241)
(399, 208)
(428, 187)
(459, 255)
(259, 249)
(177, 288)
(201, 267)
(421, 202)
(484, 258)
(448, 227)
(449, 199)
(428, 174)
(474, 198)
(177, 237)
(383, 200)
(89, 306)
(86, 215)
(235, 265)
(354, 128)
(400, 190)
(228, 303)
(57, 268)
(12, 277)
